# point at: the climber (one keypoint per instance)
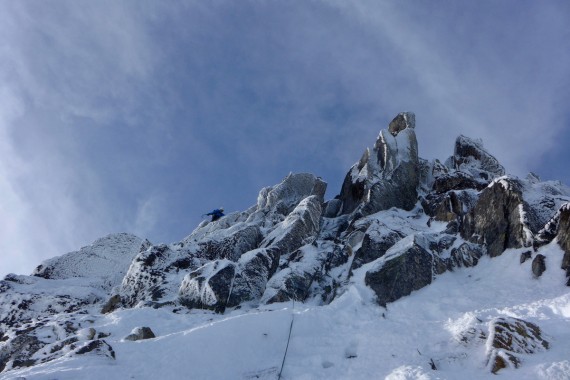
(217, 213)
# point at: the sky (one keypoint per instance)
(140, 116)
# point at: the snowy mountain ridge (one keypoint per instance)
(416, 270)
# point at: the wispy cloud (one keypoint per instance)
(141, 117)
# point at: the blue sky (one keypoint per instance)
(141, 116)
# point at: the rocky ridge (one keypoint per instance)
(399, 219)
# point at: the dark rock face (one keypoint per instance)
(402, 272)
(389, 175)
(457, 181)
(497, 220)
(563, 235)
(450, 206)
(376, 241)
(509, 337)
(538, 265)
(18, 351)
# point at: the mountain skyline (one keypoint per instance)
(142, 117)
(418, 270)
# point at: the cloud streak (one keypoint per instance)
(141, 117)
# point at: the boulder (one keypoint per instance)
(527, 255)
(538, 265)
(508, 337)
(140, 333)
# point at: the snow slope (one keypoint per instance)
(351, 338)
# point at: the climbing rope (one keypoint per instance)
(288, 340)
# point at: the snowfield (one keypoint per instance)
(435, 333)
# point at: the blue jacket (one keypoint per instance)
(217, 213)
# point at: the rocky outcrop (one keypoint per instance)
(27, 297)
(510, 337)
(300, 227)
(563, 235)
(304, 274)
(253, 271)
(469, 156)
(33, 342)
(112, 304)
(294, 245)
(208, 287)
(498, 219)
(449, 206)
(387, 176)
(284, 197)
(146, 276)
(231, 246)
(406, 267)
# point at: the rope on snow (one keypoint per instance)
(288, 340)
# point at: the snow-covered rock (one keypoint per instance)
(510, 337)
(208, 287)
(407, 234)
(471, 157)
(107, 259)
(387, 176)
